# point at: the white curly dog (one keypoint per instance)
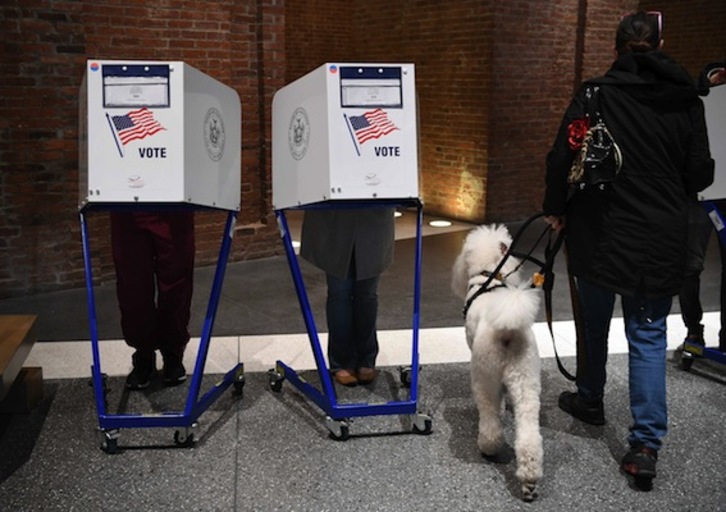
(504, 353)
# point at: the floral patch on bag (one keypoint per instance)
(576, 133)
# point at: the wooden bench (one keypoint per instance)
(20, 388)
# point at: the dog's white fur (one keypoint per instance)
(503, 349)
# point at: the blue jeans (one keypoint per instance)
(645, 330)
(351, 309)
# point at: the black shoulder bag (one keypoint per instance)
(599, 159)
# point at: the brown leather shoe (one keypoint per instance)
(345, 377)
(367, 375)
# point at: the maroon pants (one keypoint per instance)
(153, 253)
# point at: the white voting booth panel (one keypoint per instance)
(715, 105)
(158, 132)
(345, 132)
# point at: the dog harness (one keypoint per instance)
(484, 287)
(543, 278)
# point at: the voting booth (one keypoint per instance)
(158, 135)
(158, 132)
(345, 135)
(715, 107)
(346, 131)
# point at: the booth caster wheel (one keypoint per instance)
(239, 383)
(276, 379)
(185, 437)
(404, 373)
(109, 441)
(339, 429)
(422, 424)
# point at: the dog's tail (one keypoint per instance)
(514, 309)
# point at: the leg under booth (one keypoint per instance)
(693, 351)
(339, 414)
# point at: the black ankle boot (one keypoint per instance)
(592, 413)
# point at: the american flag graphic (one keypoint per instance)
(371, 125)
(137, 124)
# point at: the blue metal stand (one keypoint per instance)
(692, 350)
(110, 424)
(338, 415)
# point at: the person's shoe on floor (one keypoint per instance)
(144, 369)
(174, 371)
(345, 378)
(639, 463)
(591, 413)
(367, 375)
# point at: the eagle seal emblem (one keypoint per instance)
(298, 134)
(214, 136)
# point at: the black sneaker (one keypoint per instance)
(144, 368)
(640, 462)
(572, 404)
(174, 371)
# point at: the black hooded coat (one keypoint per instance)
(630, 238)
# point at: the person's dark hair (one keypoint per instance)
(638, 32)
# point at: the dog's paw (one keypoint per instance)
(529, 491)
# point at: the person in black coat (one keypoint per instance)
(629, 237)
(699, 234)
(353, 246)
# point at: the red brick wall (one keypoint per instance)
(449, 44)
(317, 31)
(493, 79)
(540, 55)
(534, 68)
(42, 59)
(694, 32)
